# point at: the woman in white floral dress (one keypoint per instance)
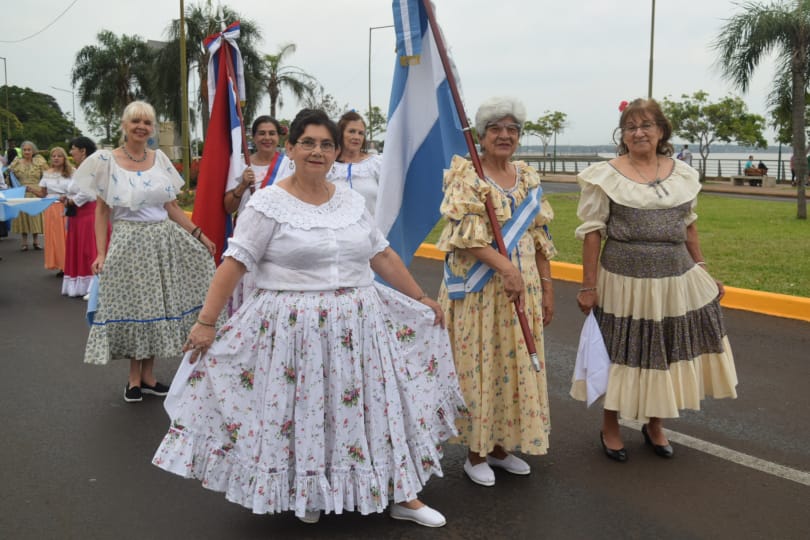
(325, 391)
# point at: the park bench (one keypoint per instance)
(753, 177)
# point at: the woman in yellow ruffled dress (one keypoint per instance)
(28, 169)
(507, 398)
(657, 306)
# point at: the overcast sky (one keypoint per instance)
(581, 57)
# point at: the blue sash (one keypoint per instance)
(513, 230)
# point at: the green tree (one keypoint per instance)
(113, 73)
(377, 123)
(699, 121)
(759, 29)
(325, 102)
(202, 21)
(6, 119)
(38, 118)
(546, 129)
(780, 108)
(280, 77)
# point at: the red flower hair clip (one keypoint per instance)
(623, 105)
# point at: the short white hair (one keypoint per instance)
(496, 108)
(139, 109)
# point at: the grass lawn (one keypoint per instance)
(748, 243)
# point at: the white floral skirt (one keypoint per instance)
(334, 400)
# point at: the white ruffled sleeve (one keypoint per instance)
(692, 217)
(378, 241)
(593, 210)
(250, 240)
(93, 175)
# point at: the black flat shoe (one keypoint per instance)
(619, 455)
(664, 451)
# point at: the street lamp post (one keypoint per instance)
(5, 79)
(652, 44)
(73, 99)
(370, 134)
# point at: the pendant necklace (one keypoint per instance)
(654, 183)
(124, 148)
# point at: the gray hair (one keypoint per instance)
(495, 108)
(29, 143)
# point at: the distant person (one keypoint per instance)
(355, 165)
(763, 170)
(686, 155)
(12, 152)
(28, 169)
(750, 163)
(80, 243)
(793, 170)
(54, 183)
(648, 285)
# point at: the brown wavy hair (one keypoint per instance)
(647, 109)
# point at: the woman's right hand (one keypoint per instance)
(513, 283)
(586, 300)
(248, 179)
(98, 264)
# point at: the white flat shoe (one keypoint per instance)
(425, 516)
(511, 463)
(311, 516)
(481, 474)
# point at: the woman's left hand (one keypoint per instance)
(548, 307)
(199, 339)
(437, 310)
(721, 290)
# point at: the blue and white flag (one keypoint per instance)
(423, 133)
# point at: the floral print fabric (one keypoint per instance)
(507, 399)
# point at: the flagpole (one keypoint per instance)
(226, 51)
(476, 160)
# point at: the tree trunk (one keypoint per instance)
(799, 62)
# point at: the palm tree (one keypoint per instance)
(202, 21)
(112, 73)
(281, 77)
(783, 27)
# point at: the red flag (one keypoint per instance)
(209, 211)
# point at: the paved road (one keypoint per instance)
(75, 459)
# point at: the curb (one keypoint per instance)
(774, 304)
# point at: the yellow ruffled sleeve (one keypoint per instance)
(463, 207)
(540, 231)
(593, 209)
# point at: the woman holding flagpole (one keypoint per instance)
(154, 274)
(266, 165)
(507, 398)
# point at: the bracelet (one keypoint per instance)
(419, 299)
(194, 231)
(545, 279)
(203, 323)
(235, 196)
(700, 263)
(586, 289)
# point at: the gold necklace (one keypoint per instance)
(657, 167)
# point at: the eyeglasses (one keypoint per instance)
(646, 127)
(310, 144)
(497, 128)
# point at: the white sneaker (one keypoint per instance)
(511, 463)
(86, 297)
(311, 516)
(481, 474)
(425, 515)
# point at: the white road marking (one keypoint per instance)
(768, 467)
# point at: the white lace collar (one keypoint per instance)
(345, 208)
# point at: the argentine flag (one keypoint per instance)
(423, 133)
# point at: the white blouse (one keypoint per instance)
(285, 169)
(296, 246)
(55, 183)
(363, 177)
(132, 195)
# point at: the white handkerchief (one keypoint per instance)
(593, 363)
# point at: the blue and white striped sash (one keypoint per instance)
(513, 230)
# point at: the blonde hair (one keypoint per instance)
(137, 109)
(67, 168)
